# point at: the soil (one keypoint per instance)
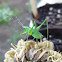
(53, 13)
(54, 37)
(6, 30)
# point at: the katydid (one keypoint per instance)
(35, 31)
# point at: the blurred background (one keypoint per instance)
(10, 27)
(12, 14)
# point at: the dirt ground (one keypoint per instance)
(6, 30)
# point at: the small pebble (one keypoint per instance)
(60, 41)
(44, 39)
(50, 36)
(47, 17)
(58, 16)
(51, 8)
(53, 20)
(59, 11)
(50, 13)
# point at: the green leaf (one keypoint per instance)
(36, 34)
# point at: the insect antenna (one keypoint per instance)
(19, 22)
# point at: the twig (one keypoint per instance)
(34, 9)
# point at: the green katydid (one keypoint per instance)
(35, 31)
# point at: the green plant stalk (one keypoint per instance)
(36, 40)
(27, 36)
(33, 38)
(41, 39)
(47, 28)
